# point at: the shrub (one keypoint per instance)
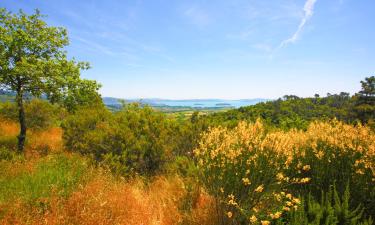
(40, 114)
(248, 168)
(133, 140)
(244, 171)
(330, 210)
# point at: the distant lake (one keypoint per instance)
(195, 103)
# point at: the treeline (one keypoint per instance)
(294, 112)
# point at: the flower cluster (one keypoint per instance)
(251, 169)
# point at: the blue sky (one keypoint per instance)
(217, 49)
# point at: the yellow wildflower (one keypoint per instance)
(229, 214)
(306, 168)
(246, 181)
(305, 180)
(265, 222)
(259, 188)
(289, 196)
(296, 200)
(276, 215)
(253, 219)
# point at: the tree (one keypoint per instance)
(365, 100)
(33, 63)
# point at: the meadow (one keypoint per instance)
(141, 166)
(67, 158)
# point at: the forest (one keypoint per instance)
(66, 158)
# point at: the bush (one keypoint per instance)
(244, 171)
(330, 210)
(248, 168)
(40, 114)
(133, 140)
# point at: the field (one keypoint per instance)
(69, 156)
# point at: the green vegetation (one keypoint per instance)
(55, 175)
(294, 112)
(289, 161)
(33, 62)
(332, 209)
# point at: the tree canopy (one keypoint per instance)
(33, 62)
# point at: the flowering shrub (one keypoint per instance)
(253, 173)
(244, 169)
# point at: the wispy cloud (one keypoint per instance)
(308, 12)
(197, 16)
(262, 47)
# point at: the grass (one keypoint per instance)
(56, 187)
(55, 174)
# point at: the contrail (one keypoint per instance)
(309, 11)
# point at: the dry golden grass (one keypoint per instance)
(8, 128)
(107, 201)
(37, 142)
(103, 200)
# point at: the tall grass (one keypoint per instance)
(53, 175)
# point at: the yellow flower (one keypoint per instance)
(296, 200)
(306, 168)
(305, 180)
(229, 214)
(286, 208)
(253, 219)
(276, 215)
(246, 181)
(279, 176)
(259, 188)
(289, 196)
(265, 222)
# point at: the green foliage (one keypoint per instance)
(133, 140)
(330, 210)
(289, 112)
(294, 112)
(56, 174)
(33, 62)
(365, 101)
(40, 114)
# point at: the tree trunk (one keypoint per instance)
(22, 121)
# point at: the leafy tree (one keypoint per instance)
(33, 62)
(365, 100)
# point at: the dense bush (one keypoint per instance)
(254, 173)
(40, 114)
(134, 140)
(244, 170)
(331, 209)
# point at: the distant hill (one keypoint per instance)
(193, 103)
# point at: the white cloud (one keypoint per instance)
(308, 12)
(197, 16)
